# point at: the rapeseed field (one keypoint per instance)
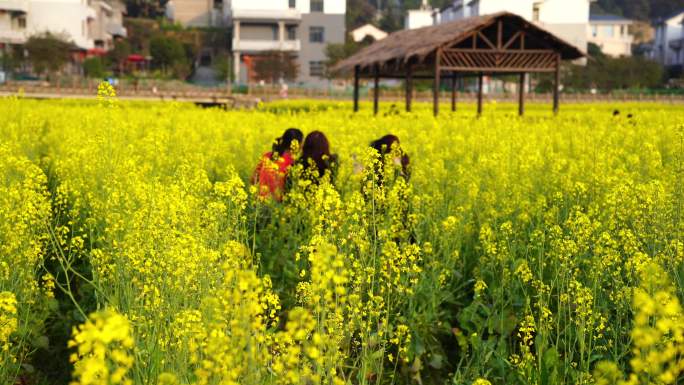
(535, 250)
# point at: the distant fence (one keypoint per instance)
(165, 91)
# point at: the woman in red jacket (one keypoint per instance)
(271, 172)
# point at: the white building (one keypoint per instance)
(419, 18)
(669, 40)
(368, 31)
(300, 27)
(81, 21)
(568, 19)
(612, 34)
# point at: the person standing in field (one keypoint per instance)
(386, 188)
(389, 149)
(316, 157)
(271, 172)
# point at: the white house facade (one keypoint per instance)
(669, 41)
(300, 27)
(83, 22)
(612, 34)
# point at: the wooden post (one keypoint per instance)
(521, 95)
(435, 91)
(480, 90)
(376, 89)
(453, 92)
(409, 86)
(556, 86)
(357, 74)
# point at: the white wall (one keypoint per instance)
(304, 6)
(564, 11)
(262, 5)
(674, 32)
(670, 30)
(619, 44)
(335, 6)
(519, 7)
(550, 11)
(61, 16)
(418, 19)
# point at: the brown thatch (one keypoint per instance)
(419, 44)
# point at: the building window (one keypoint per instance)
(316, 34)
(291, 32)
(609, 31)
(316, 68)
(316, 5)
(218, 4)
(594, 31)
(293, 3)
(536, 10)
(274, 30)
(21, 22)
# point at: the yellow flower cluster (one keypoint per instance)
(25, 214)
(515, 250)
(103, 347)
(657, 334)
(8, 320)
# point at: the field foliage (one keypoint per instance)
(536, 250)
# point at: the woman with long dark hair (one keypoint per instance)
(271, 172)
(316, 157)
(389, 148)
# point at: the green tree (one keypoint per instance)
(11, 58)
(119, 54)
(337, 52)
(223, 66)
(94, 67)
(359, 13)
(169, 55)
(607, 73)
(48, 53)
(145, 8)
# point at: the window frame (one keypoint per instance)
(317, 9)
(319, 65)
(313, 33)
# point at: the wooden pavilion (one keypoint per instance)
(500, 43)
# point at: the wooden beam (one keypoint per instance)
(480, 91)
(521, 95)
(376, 90)
(512, 40)
(453, 91)
(357, 73)
(499, 35)
(556, 86)
(499, 51)
(522, 40)
(435, 95)
(487, 41)
(409, 87)
(513, 70)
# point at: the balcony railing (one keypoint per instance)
(266, 45)
(12, 36)
(266, 15)
(115, 29)
(677, 44)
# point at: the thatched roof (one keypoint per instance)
(421, 43)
